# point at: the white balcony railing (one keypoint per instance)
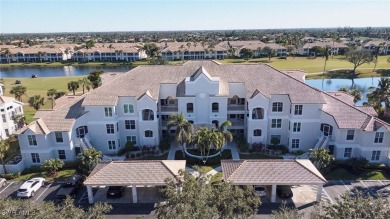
(234, 107)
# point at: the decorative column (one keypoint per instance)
(273, 193)
(319, 192)
(90, 194)
(134, 193)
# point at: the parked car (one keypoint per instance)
(284, 191)
(30, 187)
(70, 186)
(115, 191)
(260, 191)
(2, 182)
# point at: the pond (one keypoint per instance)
(26, 72)
(362, 84)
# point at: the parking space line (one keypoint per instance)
(327, 195)
(372, 193)
(47, 187)
(6, 187)
(82, 197)
(345, 185)
(381, 183)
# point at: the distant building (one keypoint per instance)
(336, 48)
(373, 45)
(195, 51)
(255, 46)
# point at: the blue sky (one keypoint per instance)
(35, 16)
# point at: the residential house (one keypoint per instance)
(373, 45)
(336, 48)
(255, 46)
(9, 108)
(191, 51)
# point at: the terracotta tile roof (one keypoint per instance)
(323, 44)
(297, 74)
(35, 50)
(368, 109)
(140, 172)
(267, 80)
(175, 47)
(342, 96)
(40, 113)
(5, 99)
(268, 172)
(376, 43)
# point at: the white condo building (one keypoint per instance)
(9, 108)
(260, 101)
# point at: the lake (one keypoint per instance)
(362, 84)
(26, 72)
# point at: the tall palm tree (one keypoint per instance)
(73, 86)
(4, 147)
(205, 139)
(189, 52)
(51, 94)
(379, 95)
(8, 54)
(40, 54)
(357, 94)
(19, 120)
(227, 135)
(376, 54)
(181, 50)
(85, 83)
(326, 53)
(18, 91)
(36, 101)
(184, 128)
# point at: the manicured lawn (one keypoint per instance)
(61, 175)
(310, 65)
(151, 157)
(257, 156)
(39, 86)
(366, 174)
(206, 169)
(214, 161)
(216, 178)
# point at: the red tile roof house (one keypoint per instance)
(336, 48)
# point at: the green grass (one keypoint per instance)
(39, 86)
(257, 156)
(216, 178)
(152, 157)
(61, 175)
(310, 65)
(366, 174)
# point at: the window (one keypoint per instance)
(215, 107)
(298, 110)
(147, 115)
(6, 132)
(111, 145)
(148, 134)
(128, 108)
(277, 107)
(257, 132)
(190, 107)
(110, 128)
(61, 154)
(4, 118)
(35, 158)
(81, 131)
(376, 155)
(108, 111)
(297, 127)
(130, 124)
(59, 138)
(378, 137)
(350, 135)
(258, 113)
(275, 136)
(347, 152)
(295, 143)
(32, 140)
(132, 139)
(276, 123)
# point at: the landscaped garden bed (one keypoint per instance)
(226, 154)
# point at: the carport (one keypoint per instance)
(273, 172)
(133, 174)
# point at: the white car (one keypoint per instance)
(30, 187)
(260, 191)
(2, 182)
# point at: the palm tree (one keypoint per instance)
(205, 139)
(73, 86)
(18, 91)
(379, 95)
(227, 135)
(326, 53)
(89, 45)
(357, 95)
(8, 54)
(19, 120)
(51, 94)
(52, 166)
(89, 159)
(189, 46)
(85, 83)
(36, 101)
(184, 128)
(4, 147)
(181, 50)
(376, 54)
(40, 54)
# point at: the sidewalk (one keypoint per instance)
(172, 150)
(233, 149)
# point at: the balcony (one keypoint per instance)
(237, 122)
(236, 107)
(170, 108)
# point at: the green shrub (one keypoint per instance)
(71, 164)
(275, 141)
(129, 146)
(32, 169)
(10, 176)
(121, 151)
(164, 144)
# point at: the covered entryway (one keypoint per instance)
(141, 176)
(273, 172)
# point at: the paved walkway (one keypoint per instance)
(233, 149)
(214, 171)
(172, 151)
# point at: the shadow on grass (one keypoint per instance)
(384, 72)
(260, 61)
